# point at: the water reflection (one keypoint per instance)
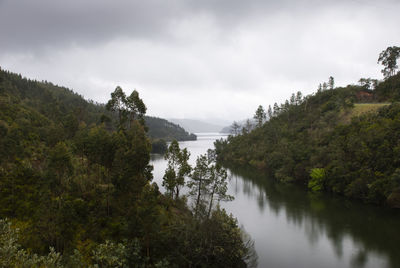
(294, 228)
(358, 235)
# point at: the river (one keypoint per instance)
(293, 228)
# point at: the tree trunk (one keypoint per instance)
(198, 199)
(177, 192)
(211, 202)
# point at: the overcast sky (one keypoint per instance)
(197, 59)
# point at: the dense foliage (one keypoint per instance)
(162, 129)
(69, 109)
(75, 185)
(321, 141)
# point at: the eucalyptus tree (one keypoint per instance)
(260, 116)
(198, 182)
(388, 58)
(208, 184)
(270, 113)
(117, 104)
(136, 107)
(331, 82)
(128, 108)
(217, 186)
(178, 168)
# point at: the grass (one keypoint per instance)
(360, 109)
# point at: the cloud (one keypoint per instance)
(35, 25)
(198, 59)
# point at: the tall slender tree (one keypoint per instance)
(117, 103)
(136, 106)
(260, 116)
(178, 168)
(331, 82)
(208, 184)
(388, 58)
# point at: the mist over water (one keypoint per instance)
(294, 228)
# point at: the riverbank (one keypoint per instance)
(329, 143)
(292, 227)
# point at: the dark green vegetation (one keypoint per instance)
(320, 141)
(76, 178)
(69, 109)
(162, 129)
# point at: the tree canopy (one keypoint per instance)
(388, 58)
(78, 192)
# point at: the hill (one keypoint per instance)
(330, 141)
(57, 103)
(163, 129)
(196, 126)
(76, 188)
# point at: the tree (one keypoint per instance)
(388, 58)
(292, 99)
(12, 255)
(365, 82)
(208, 184)
(60, 166)
(248, 126)
(324, 86)
(117, 104)
(331, 82)
(177, 169)
(299, 97)
(235, 128)
(276, 109)
(317, 179)
(260, 116)
(217, 186)
(136, 106)
(128, 108)
(270, 114)
(198, 182)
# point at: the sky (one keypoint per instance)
(214, 60)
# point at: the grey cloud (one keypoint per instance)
(31, 25)
(254, 52)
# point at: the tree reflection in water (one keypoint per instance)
(362, 231)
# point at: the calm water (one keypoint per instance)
(293, 228)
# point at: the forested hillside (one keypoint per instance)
(70, 109)
(162, 129)
(330, 142)
(76, 191)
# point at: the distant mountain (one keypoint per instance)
(226, 129)
(196, 126)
